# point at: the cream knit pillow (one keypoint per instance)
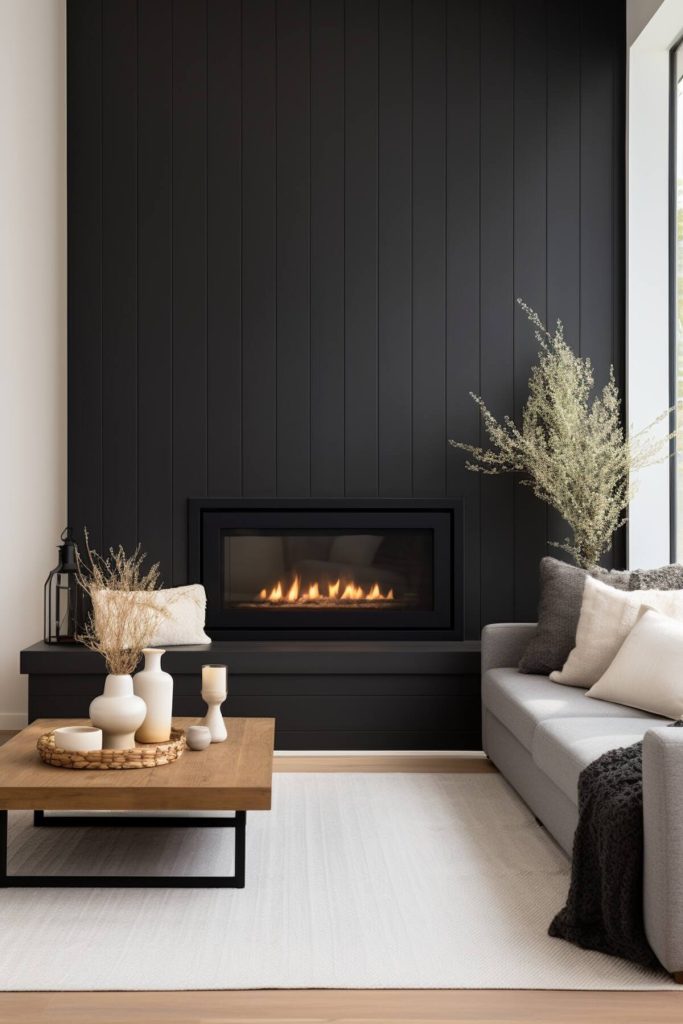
(646, 672)
(183, 608)
(607, 617)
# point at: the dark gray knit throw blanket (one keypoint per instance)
(604, 908)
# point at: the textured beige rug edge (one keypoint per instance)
(354, 881)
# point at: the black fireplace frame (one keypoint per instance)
(445, 517)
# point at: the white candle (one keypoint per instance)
(215, 680)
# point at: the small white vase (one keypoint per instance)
(118, 713)
(156, 689)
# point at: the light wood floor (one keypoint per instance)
(346, 1006)
(342, 1007)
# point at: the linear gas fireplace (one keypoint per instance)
(314, 569)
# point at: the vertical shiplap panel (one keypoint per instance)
(564, 165)
(617, 39)
(597, 187)
(259, 395)
(462, 282)
(361, 247)
(224, 246)
(119, 274)
(530, 116)
(618, 121)
(327, 248)
(155, 282)
(205, 311)
(395, 248)
(564, 187)
(84, 155)
(497, 295)
(597, 93)
(189, 268)
(429, 248)
(293, 248)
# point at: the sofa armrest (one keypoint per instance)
(663, 838)
(503, 643)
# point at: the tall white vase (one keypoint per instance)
(118, 713)
(156, 689)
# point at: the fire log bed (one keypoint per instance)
(331, 594)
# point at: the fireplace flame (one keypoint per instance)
(296, 594)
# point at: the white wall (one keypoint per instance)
(638, 13)
(32, 324)
(647, 347)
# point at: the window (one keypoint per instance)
(677, 292)
(649, 322)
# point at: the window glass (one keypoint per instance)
(677, 327)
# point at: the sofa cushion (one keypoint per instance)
(561, 594)
(646, 672)
(521, 702)
(607, 617)
(563, 747)
(559, 607)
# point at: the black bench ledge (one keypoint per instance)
(327, 695)
(244, 657)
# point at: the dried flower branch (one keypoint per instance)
(571, 448)
(124, 618)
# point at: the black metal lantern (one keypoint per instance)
(63, 596)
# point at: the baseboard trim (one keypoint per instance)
(396, 761)
(12, 721)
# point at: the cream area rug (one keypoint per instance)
(353, 881)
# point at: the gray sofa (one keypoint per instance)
(540, 735)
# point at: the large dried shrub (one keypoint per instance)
(571, 448)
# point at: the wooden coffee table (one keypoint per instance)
(231, 776)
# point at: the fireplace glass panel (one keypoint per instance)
(322, 570)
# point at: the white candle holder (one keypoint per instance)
(214, 692)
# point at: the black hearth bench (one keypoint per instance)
(351, 695)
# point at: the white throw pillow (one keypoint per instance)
(647, 672)
(184, 613)
(185, 616)
(607, 617)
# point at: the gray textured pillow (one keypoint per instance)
(559, 607)
(667, 577)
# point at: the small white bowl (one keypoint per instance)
(198, 737)
(78, 737)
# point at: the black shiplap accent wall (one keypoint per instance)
(296, 232)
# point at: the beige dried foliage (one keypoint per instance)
(571, 448)
(124, 616)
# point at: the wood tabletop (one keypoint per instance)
(231, 776)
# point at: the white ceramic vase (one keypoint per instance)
(118, 713)
(155, 687)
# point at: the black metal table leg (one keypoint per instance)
(234, 881)
(240, 848)
(130, 821)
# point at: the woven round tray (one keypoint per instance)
(145, 755)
